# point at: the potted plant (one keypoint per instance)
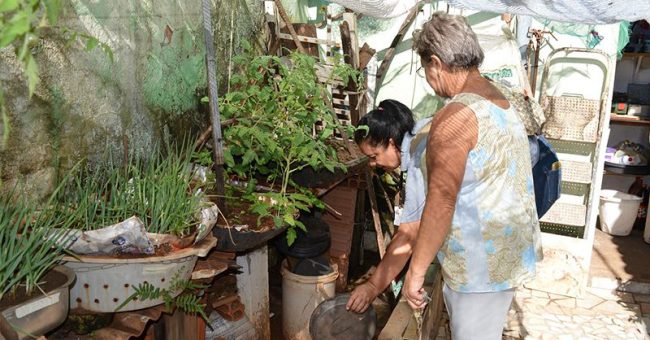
(33, 288)
(282, 124)
(154, 199)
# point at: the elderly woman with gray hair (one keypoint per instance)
(479, 214)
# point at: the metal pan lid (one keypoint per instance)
(331, 321)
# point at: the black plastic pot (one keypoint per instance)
(311, 244)
(231, 240)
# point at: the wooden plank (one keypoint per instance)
(289, 26)
(310, 40)
(181, 325)
(398, 321)
(343, 199)
(402, 324)
(351, 57)
(432, 316)
(388, 58)
(365, 54)
(381, 244)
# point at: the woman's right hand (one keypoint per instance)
(361, 297)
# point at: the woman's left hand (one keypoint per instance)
(413, 291)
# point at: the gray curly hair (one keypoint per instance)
(450, 38)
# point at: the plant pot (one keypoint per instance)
(40, 314)
(308, 244)
(309, 178)
(104, 283)
(233, 240)
(243, 233)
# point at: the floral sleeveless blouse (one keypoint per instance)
(494, 241)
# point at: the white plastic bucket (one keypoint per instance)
(618, 212)
(300, 296)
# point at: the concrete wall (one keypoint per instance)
(87, 105)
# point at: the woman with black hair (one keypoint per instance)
(386, 138)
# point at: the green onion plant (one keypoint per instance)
(157, 190)
(31, 243)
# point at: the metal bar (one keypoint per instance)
(213, 96)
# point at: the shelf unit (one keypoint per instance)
(628, 120)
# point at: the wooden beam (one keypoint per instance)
(388, 58)
(381, 243)
(402, 323)
(310, 40)
(365, 54)
(285, 18)
(351, 56)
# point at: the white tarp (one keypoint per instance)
(378, 8)
(577, 11)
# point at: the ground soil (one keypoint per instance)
(51, 281)
(342, 150)
(238, 214)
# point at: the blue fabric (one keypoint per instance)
(548, 181)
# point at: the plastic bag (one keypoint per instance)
(126, 237)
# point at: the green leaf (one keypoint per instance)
(301, 226)
(228, 159)
(290, 220)
(31, 69)
(328, 131)
(277, 221)
(5, 124)
(17, 26)
(249, 155)
(8, 5)
(52, 8)
(91, 43)
(291, 236)
(108, 51)
(260, 209)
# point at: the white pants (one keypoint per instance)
(477, 316)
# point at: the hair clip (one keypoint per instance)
(380, 108)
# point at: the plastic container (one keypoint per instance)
(104, 283)
(618, 212)
(40, 314)
(300, 296)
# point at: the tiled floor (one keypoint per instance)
(618, 262)
(622, 258)
(598, 314)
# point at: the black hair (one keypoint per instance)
(390, 120)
